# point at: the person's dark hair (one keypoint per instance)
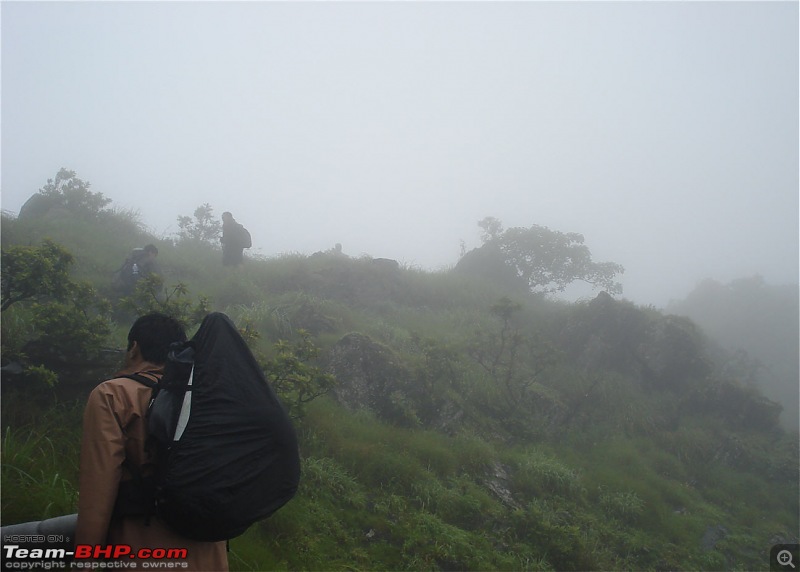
(154, 333)
(151, 248)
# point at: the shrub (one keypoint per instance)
(625, 505)
(539, 474)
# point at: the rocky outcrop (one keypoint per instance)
(386, 264)
(487, 263)
(40, 205)
(369, 376)
(498, 480)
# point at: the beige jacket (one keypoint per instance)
(114, 429)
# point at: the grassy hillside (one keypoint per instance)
(504, 431)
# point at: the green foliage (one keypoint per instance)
(540, 474)
(548, 260)
(272, 321)
(73, 194)
(77, 330)
(677, 352)
(514, 360)
(40, 375)
(40, 466)
(152, 295)
(735, 403)
(546, 436)
(625, 505)
(561, 541)
(66, 322)
(35, 273)
(98, 246)
(325, 478)
(203, 229)
(293, 377)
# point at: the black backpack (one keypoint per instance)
(247, 240)
(243, 238)
(127, 274)
(226, 451)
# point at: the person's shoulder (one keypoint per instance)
(109, 392)
(122, 381)
(113, 385)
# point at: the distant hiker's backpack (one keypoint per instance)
(247, 240)
(128, 273)
(227, 453)
(243, 237)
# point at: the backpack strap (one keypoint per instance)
(149, 382)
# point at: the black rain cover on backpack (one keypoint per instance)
(227, 451)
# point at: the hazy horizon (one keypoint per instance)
(666, 133)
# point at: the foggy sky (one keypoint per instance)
(665, 133)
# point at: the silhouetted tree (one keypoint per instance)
(548, 260)
(513, 359)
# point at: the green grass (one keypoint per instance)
(40, 467)
(377, 497)
(600, 471)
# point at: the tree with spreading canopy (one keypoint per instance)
(544, 260)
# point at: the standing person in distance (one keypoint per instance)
(235, 238)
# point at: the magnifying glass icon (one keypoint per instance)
(785, 558)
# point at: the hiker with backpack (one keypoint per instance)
(140, 263)
(113, 454)
(185, 448)
(235, 238)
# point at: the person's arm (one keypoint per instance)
(102, 455)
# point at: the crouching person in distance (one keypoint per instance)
(114, 456)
